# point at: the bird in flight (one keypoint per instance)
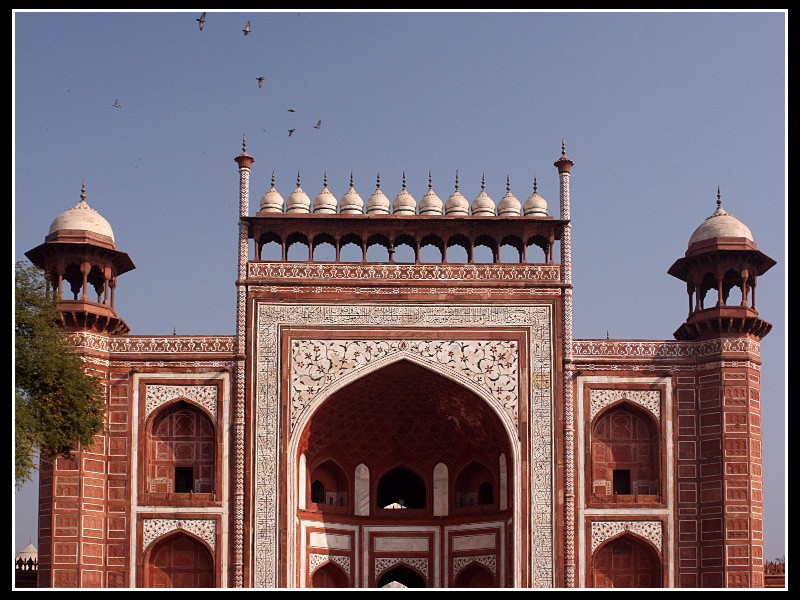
(260, 80)
(202, 21)
(291, 132)
(318, 125)
(291, 110)
(117, 104)
(246, 29)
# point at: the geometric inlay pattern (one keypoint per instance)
(272, 317)
(381, 564)
(316, 364)
(647, 399)
(203, 395)
(205, 529)
(649, 530)
(488, 561)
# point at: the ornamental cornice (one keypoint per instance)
(202, 395)
(649, 530)
(156, 344)
(650, 400)
(634, 349)
(205, 529)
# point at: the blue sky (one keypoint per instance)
(657, 110)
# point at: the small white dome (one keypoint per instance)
(483, 205)
(378, 203)
(298, 201)
(325, 202)
(271, 201)
(351, 203)
(82, 217)
(457, 204)
(721, 224)
(404, 203)
(509, 205)
(535, 205)
(431, 204)
(28, 551)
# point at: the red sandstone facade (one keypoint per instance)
(407, 420)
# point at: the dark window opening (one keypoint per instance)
(485, 493)
(622, 481)
(318, 492)
(183, 480)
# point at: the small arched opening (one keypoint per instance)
(401, 576)
(626, 562)
(179, 561)
(475, 575)
(329, 575)
(401, 488)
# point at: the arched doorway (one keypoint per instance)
(401, 576)
(329, 575)
(179, 561)
(475, 575)
(627, 562)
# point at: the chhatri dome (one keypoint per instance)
(271, 201)
(720, 224)
(483, 204)
(82, 217)
(509, 205)
(404, 203)
(351, 203)
(298, 200)
(535, 205)
(457, 203)
(430, 203)
(378, 203)
(325, 202)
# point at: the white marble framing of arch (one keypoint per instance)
(508, 427)
(629, 513)
(269, 318)
(222, 424)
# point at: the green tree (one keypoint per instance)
(58, 405)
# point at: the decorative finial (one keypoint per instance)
(325, 178)
(244, 143)
(483, 182)
(563, 148)
(351, 179)
(508, 184)
(534, 185)
(430, 181)
(273, 178)
(83, 190)
(174, 331)
(404, 180)
(719, 199)
(607, 334)
(456, 179)
(298, 179)
(379, 180)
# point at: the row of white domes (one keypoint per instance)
(404, 203)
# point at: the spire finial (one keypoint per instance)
(563, 148)
(534, 185)
(379, 180)
(607, 334)
(508, 184)
(244, 143)
(174, 330)
(273, 178)
(351, 179)
(325, 178)
(430, 181)
(404, 180)
(298, 179)
(483, 182)
(456, 179)
(719, 198)
(83, 190)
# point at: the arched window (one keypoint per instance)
(179, 561)
(318, 491)
(475, 575)
(328, 485)
(474, 486)
(627, 562)
(329, 575)
(401, 576)
(401, 488)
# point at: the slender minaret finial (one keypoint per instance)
(325, 178)
(456, 179)
(607, 335)
(563, 148)
(430, 181)
(508, 184)
(83, 190)
(404, 180)
(244, 143)
(174, 331)
(273, 178)
(719, 198)
(379, 180)
(351, 179)
(298, 179)
(483, 182)
(534, 185)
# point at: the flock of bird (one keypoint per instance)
(260, 79)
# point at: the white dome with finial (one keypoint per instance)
(535, 205)
(721, 224)
(351, 203)
(378, 203)
(509, 205)
(82, 217)
(325, 202)
(404, 203)
(28, 552)
(430, 203)
(271, 201)
(483, 205)
(457, 204)
(298, 201)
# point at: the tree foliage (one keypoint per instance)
(58, 404)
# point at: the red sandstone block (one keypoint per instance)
(65, 553)
(116, 579)
(66, 525)
(713, 469)
(94, 466)
(65, 578)
(687, 471)
(686, 450)
(118, 446)
(688, 580)
(91, 579)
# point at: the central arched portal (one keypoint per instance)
(405, 470)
